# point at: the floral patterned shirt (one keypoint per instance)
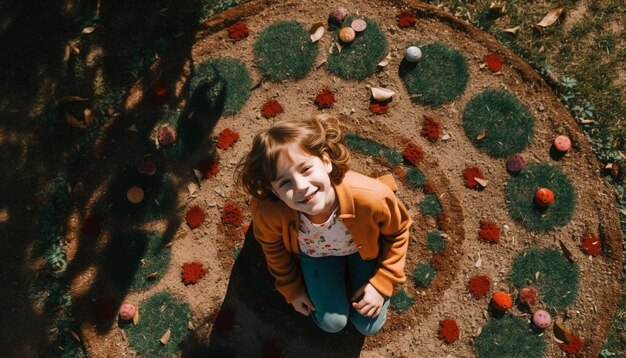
(331, 238)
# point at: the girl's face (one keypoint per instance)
(302, 182)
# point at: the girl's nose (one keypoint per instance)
(301, 183)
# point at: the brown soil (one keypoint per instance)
(243, 286)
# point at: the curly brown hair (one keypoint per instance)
(316, 135)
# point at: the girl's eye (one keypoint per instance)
(283, 183)
(306, 169)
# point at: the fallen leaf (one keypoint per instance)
(136, 316)
(339, 47)
(198, 174)
(381, 94)
(88, 114)
(153, 275)
(385, 60)
(445, 136)
(162, 308)
(132, 128)
(89, 29)
(191, 326)
(566, 252)
(496, 7)
(511, 30)
(192, 188)
(550, 18)
(482, 182)
(317, 31)
(537, 274)
(73, 47)
(479, 262)
(73, 121)
(482, 135)
(69, 99)
(166, 337)
(561, 332)
(74, 335)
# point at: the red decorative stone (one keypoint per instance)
(502, 301)
(227, 138)
(378, 108)
(192, 272)
(479, 286)
(271, 108)
(407, 19)
(209, 168)
(494, 62)
(195, 216)
(448, 330)
(413, 153)
(591, 245)
(489, 231)
(574, 346)
(324, 99)
(238, 31)
(470, 174)
(232, 215)
(431, 129)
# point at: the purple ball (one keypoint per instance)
(541, 319)
(515, 163)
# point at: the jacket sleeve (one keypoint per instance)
(281, 263)
(394, 222)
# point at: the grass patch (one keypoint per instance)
(415, 178)
(131, 257)
(358, 59)
(430, 205)
(401, 301)
(158, 314)
(520, 193)
(190, 132)
(435, 241)
(557, 281)
(236, 82)
(284, 51)
(367, 146)
(207, 88)
(439, 77)
(159, 195)
(509, 337)
(506, 122)
(423, 275)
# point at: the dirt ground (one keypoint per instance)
(243, 286)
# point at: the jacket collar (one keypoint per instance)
(346, 201)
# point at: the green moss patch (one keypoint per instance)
(157, 314)
(430, 205)
(554, 276)
(284, 51)
(509, 337)
(520, 193)
(401, 301)
(372, 148)
(207, 87)
(439, 77)
(159, 195)
(423, 275)
(236, 81)
(415, 178)
(136, 260)
(435, 241)
(498, 123)
(358, 59)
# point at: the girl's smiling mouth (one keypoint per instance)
(309, 198)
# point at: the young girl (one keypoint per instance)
(315, 219)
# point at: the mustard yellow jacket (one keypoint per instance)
(378, 221)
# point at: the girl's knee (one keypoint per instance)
(369, 326)
(331, 322)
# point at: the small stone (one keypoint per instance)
(127, 311)
(358, 25)
(562, 143)
(515, 163)
(347, 34)
(338, 14)
(413, 54)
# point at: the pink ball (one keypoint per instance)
(541, 319)
(338, 14)
(515, 163)
(562, 143)
(127, 311)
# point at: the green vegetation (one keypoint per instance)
(158, 314)
(430, 205)
(234, 74)
(423, 275)
(554, 276)
(520, 193)
(509, 337)
(435, 241)
(136, 260)
(439, 77)
(284, 51)
(358, 59)
(207, 88)
(401, 301)
(498, 123)
(367, 146)
(415, 177)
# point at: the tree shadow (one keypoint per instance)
(254, 320)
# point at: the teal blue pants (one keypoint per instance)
(325, 280)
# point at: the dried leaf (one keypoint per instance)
(162, 308)
(537, 274)
(74, 335)
(73, 121)
(479, 262)
(136, 316)
(166, 337)
(381, 94)
(69, 99)
(66, 52)
(385, 60)
(153, 275)
(89, 29)
(482, 182)
(445, 136)
(561, 332)
(339, 46)
(317, 31)
(198, 175)
(550, 18)
(191, 326)
(192, 188)
(132, 128)
(74, 48)
(482, 135)
(496, 7)
(566, 252)
(512, 30)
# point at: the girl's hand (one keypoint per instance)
(370, 303)
(303, 304)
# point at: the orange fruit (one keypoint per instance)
(544, 197)
(502, 301)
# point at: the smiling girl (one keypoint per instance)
(319, 222)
